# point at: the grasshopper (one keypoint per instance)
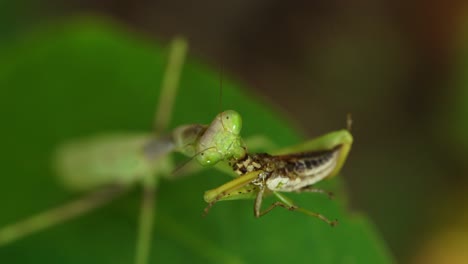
(294, 169)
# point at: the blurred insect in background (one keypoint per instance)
(113, 163)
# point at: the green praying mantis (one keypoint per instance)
(112, 163)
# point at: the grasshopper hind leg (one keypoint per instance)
(287, 204)
(259, 200)
(316, 190)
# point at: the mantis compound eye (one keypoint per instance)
(209, 157)
(232, 121)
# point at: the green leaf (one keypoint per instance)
(90, 76)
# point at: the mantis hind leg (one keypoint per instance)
(60, 214)
(146, 220)
(162, 118)
(169, 84)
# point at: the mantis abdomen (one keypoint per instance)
(104, 159)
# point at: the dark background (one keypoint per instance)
(394, 65)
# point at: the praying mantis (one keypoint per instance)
(114, 162)
(220, 141)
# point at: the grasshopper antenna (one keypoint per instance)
(349, 122)
(221, 88)
(221, 93)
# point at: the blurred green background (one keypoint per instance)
(399, 67)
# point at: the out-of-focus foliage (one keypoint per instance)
(88, 77)
(459, 124)
(448, 240)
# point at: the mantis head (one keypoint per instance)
(222, 139)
